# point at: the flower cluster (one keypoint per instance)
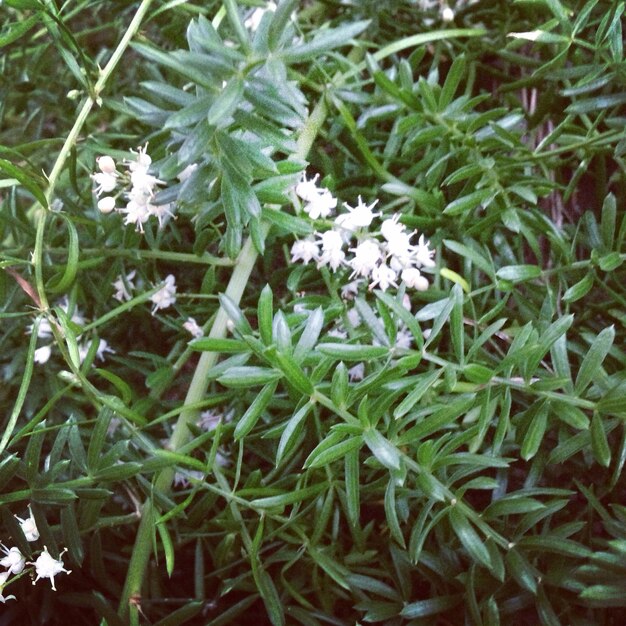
(138, 188)
(14, 561)
(381, 256)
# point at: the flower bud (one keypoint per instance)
(106, 204)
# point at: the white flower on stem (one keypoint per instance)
(337, 333)
(383, 276)
(14, 560)
(137, 214)
(44, 331)
(192, 327)
(414, 279)
(105, 182)
(305, 189)
(181, 479)
(332, 253)
(42, 355)
(161, 212)
(447, 14)
(366, 257)
(106, 204)
(357, 372)
(122, 286)
(360, 216)
(101, 350)
(392, 227)
(144, 183)
(142, 162)
(77, 316)
(166, 296)
(106, 164)
(47, 567)
(321, 206)
(304, 250)
(423, 253)
(3, 581)
(28, 526)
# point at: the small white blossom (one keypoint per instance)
(403, 338)
(137, 214)
(192, 327)
(392, 227)
(14, 560)
(106, 164)
(319, 201)
(105, 182)
(423, 253)
(101, 350)
(166, 296)
(44, 331)
(28, 526)
(161, 212)
(142, 161)
(367, 255)
(47, 567)
(447, 14)
(307, 189)
(304, 250)
(42, 355)
(209, 420)
(354, 317)
(122, 286)
(181, 479)
(3, 581)
(337, 333)
(106, 204)
(384, 277)
(360, 216)
(414, 279)
(332, 254)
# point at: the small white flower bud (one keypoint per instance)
(447, 14)
(106, 164)
(106, 204)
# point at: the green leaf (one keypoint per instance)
(265, 314)
(226, 103)
(353, 352)
(421, 386)
(290, 435)
(290, 497)
(599, 442)
(453, 79)
(327, 451)
(352, 484)
(593, 359)
(255, 410)
(27, 179)
(467, 203)
(469, 537)
(386, 453)
(244, 376)
(579, 290)
(224, 346)
(518, 273)
(323, 42)
(535, 433)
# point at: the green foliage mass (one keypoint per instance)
(473, 477)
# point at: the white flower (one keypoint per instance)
(356, 372)
(122, 292)
(142, 162)
(3, 580)
(106, 204)
(391, 227)
(367, 255)
(105, 182)
(166, 296)
(77, 316)
(137, 214)
(106, 164)
(252, 22)
(42, 355)
(361, 216)
(354, 317)
(447, 14)
(101, 350)
(413, 278)
(423, 254)
(384, 277)
(47, 567)
(307, 189)
(144, 183)
(28, 526)
(14, 560)
(332, 254)
(181, 479)
(321, 206)
(161, 212)
(304, 250)
(191, 326)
